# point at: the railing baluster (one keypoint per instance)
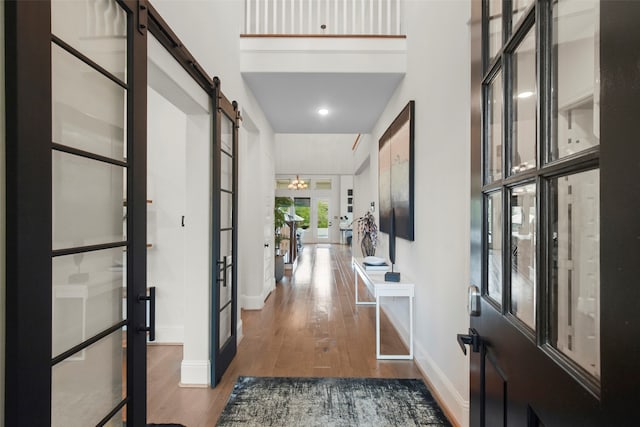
(335, 17)
(247, 16)
(370, 19)
(353, 16)
(398, 17)
(301, 13)
(275, 16)
(381, 17)
(257, 16)
(344, 16)
(388, 17)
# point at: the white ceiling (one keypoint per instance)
(291, 100)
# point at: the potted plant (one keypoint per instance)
(279, 210)
(368, 234)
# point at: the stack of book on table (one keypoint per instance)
(372, 263)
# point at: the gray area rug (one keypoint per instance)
(263, 401)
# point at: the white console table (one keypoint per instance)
(374, 280)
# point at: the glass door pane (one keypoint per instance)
(494, 246)
(89, 385)
(525, 101)
(493, 156)
(89, 217)
(518, 9)
(495, 28)
(89, 109)
(322, 223)
(227, 197)
(523, 253)
(575, 77)
(96, 29)
(575, 268)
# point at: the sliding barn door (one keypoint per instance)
(225, 220)
(76, 263)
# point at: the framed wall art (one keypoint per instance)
(396, 174)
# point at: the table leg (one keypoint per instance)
(378, 327)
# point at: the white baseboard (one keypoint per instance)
(169, 334)
(250, 302)
(453, 403)
(195, 373)
(239, 334)
(455, 406)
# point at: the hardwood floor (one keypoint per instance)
(309, 326)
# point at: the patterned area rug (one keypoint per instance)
(260, 401)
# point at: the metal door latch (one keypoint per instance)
(472, 340)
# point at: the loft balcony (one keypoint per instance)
(296, 55)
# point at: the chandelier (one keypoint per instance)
(297, 184)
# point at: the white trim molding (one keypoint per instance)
(195, 373)
(455, 405)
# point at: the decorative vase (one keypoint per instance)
(366, 245)
(278, 269)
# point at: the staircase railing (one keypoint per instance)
(323, 17)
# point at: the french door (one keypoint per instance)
(225, 222)
(76, 222)
(554, 250)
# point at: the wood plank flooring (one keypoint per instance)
(309, 326)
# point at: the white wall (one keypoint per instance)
(255, 176)
(215, 45)
(365, 191)
(438, 80)
(195, 364)
(3, 206)
(166, 179)
(319, 154)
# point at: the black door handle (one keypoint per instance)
(222, 271)
(472, 340)
(152, 313)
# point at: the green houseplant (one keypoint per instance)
(279, 210)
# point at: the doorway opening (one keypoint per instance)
(179, 226)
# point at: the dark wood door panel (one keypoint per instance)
(533, 378)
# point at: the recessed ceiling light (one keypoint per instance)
(526, 94)
(323, 111)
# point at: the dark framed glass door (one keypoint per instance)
(552, 237)
(225, 236)
(76, 331)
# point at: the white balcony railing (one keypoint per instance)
(323, 17)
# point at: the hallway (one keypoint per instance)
(308, 327)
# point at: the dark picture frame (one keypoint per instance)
(396, 174)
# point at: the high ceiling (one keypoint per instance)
(291, 101)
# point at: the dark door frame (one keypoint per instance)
(29, 223)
